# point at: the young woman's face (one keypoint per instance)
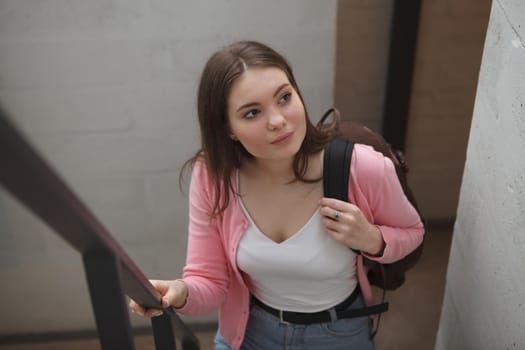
(266, 114)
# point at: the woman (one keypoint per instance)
(264, 246)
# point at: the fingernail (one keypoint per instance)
(157, 313)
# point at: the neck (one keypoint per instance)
(275, 172)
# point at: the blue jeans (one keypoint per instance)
(265, 332)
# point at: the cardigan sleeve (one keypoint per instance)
(388, 207)
(206, 272)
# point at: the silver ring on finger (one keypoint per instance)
(337, 216)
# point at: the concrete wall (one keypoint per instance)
(448, 55)
(484, 304)
(106, 90)
(363, 29)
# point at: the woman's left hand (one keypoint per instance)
(347, 224)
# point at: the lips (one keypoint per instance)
(283, 138)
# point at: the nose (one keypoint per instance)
(276, 120)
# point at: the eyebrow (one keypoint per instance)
(277, 91)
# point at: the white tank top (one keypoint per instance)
(308, 272)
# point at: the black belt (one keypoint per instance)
(337, 312)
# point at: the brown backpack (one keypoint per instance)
(387, 276)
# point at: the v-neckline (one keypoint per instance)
(258, 230)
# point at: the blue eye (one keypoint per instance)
(251, 114)
(285, 98)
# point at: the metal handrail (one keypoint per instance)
(29, 178)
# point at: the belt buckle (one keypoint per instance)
(281, 318)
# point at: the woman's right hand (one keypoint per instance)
(173, 293)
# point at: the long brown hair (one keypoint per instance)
(219, 152)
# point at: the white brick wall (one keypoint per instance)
(485, 293)
(106, 90)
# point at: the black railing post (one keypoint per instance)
(164, 332)
(109, 303)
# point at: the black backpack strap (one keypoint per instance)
(364, 311)
(336, 174)
(336, 168)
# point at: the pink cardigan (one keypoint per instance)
(211, 272)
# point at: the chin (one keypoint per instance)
(293, 149)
